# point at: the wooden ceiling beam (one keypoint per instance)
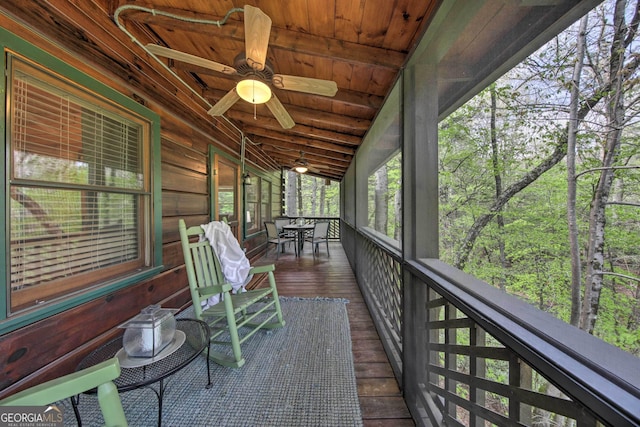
(324, 169)
(325, 135)
(326, 120)
(303, 132)
(287, 162)
(258, 134)
(310, 156)
(90, 37)
(309, 119)
(348, 98)
(323, 174)
(273, 145)
(303, 116)
(280, 38)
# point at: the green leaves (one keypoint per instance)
(527, 251)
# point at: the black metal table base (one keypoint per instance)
(156, 372)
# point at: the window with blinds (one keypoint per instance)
(79, 188)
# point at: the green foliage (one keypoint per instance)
(316, 202)
(393, 169)
(530, 121)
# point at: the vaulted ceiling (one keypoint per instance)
(360, 45)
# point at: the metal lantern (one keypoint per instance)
(149, 332)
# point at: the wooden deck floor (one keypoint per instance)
(380, 399)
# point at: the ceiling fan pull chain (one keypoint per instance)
(255, 107)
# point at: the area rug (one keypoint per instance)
(299, 375)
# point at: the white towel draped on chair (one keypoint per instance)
(235, 264)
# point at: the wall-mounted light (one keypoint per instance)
(246, 179)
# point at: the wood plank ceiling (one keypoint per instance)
(361, 45)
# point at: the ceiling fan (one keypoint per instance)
(301, 165)
(255, 70)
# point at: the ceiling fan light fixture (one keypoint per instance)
(253, 91)
(300, 169)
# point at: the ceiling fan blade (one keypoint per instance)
(305, 84)
(280, 113)
(188, 58)
(224, 103)
(257, 28)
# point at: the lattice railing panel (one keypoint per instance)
(382, 279)
(467, 354)
(475, 381)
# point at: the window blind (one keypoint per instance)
(78, 189)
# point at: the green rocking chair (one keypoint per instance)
(99, 376)
(236, 317)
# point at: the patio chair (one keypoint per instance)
(275, 238)
(280, 222)
(320, 232)
(99, 376)
(236, 316)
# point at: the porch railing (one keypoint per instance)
(468, 354)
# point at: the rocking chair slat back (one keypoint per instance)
(250, 310)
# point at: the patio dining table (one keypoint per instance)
(301, 230)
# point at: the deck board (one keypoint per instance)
(380, 397)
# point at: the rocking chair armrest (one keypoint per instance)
(67, 385)
(214, 290)
(262, 269)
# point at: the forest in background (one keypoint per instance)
(307, 195)
(539, 179)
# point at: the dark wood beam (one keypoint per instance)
(344, 97)
(290, 156)
(311, 120)
(300, 133)
(324, 120)
(280, 38)
(294, 150)
(87, 33)
(325, 170)
(285, 140)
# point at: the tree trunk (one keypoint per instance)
(299, 195)
(292, 207)
(397, 234)
(558, 154)
(314, 196)
(323, 195)
(479, 224)
(381, 200)
(497, 178)
(597, 219)
(574, 246)
(634, 319)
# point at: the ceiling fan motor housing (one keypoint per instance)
(243, 69)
